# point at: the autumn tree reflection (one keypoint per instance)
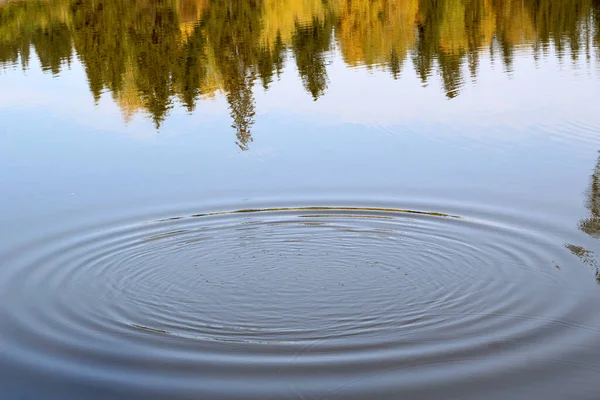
(310, 45)
(150, 54)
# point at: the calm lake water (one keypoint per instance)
(299, 199)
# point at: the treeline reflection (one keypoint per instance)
(149, 54)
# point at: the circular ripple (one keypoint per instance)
(298, 303)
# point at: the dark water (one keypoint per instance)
(299, 199)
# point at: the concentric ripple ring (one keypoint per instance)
(308, 302)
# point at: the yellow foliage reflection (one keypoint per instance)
(151, 53)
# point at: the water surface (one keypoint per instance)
(299, 199)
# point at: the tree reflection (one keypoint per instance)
(310, 44)
(149, 54)
(587, 257)
(591, 224)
